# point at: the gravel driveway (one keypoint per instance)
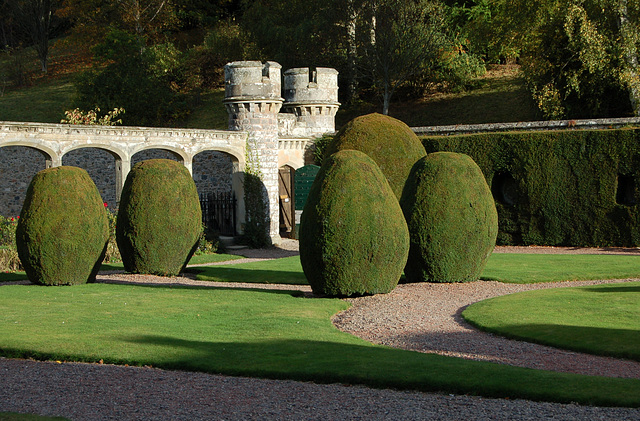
(104, 392)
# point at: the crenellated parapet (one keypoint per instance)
(312, 97)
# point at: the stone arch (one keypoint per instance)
(160, 152)
(102, 166)
(52, 159)
(18, 164)
(227, 176)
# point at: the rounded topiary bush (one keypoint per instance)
(159, 220)
(452, 219)
(353, 237)
(63, 229)
(388, 141)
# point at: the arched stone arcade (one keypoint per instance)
(115, 149)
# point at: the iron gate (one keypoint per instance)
(219, 212)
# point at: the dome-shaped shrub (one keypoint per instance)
(388, 141)
(353, 237)
(63, 229)
(159, 220)
(452, 219)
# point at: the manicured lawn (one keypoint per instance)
(515, 268)
(600, 319)
(532, 268)
(195, 260)
(256, 333)
(281, 271)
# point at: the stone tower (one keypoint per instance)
(312, 96)
(253, 100)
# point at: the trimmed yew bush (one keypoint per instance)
(388, 141)
(159, 220)
(452, 219)
(63, 230)
(353, 237)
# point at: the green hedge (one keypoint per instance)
(560, 188)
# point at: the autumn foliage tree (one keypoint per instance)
(580, 57)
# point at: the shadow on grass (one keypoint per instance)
(329, 362)
(175, 285)
(608, 342)
(12, 276)
(613, 288)
(249, 275)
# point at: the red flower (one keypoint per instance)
(105, 204)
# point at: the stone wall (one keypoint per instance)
(212, 172)
(588, 124)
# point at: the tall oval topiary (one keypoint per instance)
(353, 237)
(159, 219)
(63, 229)
(388, 141)
(452, 219)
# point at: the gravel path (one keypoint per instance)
(101, 392)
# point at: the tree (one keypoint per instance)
(404, 38)
(580, 57)
(34, 20)
(93, 19)
(124, 78)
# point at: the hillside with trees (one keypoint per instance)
(408, 58)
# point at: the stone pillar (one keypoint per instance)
(123, 166)
(252, 99)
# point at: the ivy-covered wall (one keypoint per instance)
(560, 188)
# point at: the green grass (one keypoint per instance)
(499, 96)
(532, 268)
(12, 276)
(42, 103)
(601, 319)
(504, 267)
(256, 333)
(202, 259)
(195, 260)
(209, 113)
(280, 271)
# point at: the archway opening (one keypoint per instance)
(213, 173)
(154, 154)
(101, 166)
(18, 165)
(505, 189)
(626, 190)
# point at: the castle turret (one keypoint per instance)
(252, 99)
(312, 96)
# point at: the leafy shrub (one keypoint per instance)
(125, 78)
(112, 254)
(9, 259)
(389, 142)
(353, 237)
(8, 231)
(559, 188)
(451, 217)
(159, 219)
(77, 116)
(63, 229)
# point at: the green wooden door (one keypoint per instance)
(304, 179)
